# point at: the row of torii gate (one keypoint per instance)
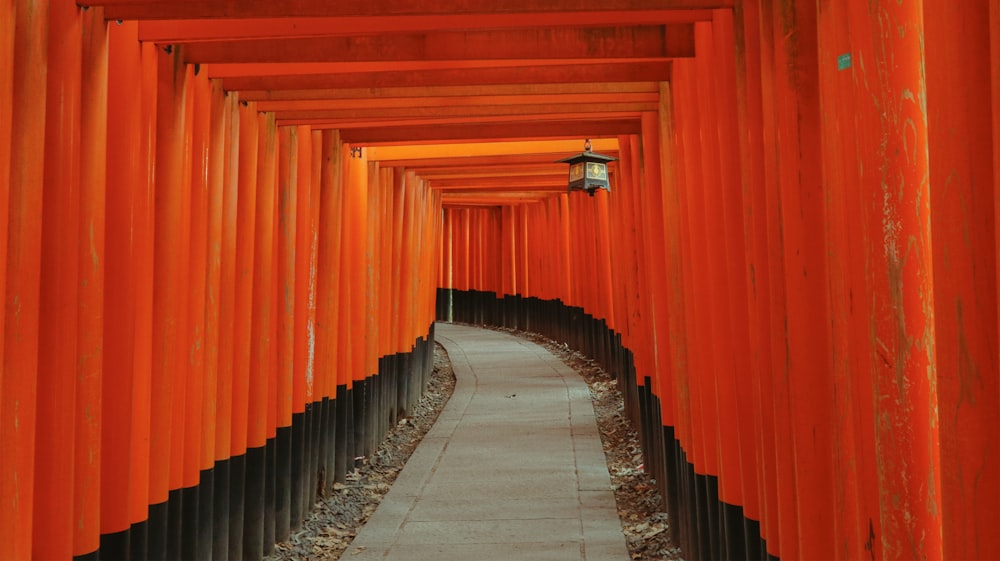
(228, 227)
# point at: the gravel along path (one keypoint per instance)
(335, 520)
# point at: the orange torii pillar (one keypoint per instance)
(963, 229)
(260, 344)
(302, 494)
(125, 180)
(896, 201)
(53, 511)
(747, 32)
(242, 321)
(211, 160)
(328, 398)
(194, 331)
(226, 466)
(170, 290)
(21, 237)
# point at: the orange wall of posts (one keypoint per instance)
(802, 261)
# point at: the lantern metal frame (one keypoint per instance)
(588, 170)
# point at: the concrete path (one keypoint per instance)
(512, 470)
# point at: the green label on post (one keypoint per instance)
(844, 61)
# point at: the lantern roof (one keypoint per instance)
(587, 156)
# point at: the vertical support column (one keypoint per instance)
(143, 216)
(246, 217)
(303, 336)
(124, 178)
(225, 463)
(177, 260)
(287, 238)
(748, 96)
(897, 201)
(785, 512)
(194, 328)
(963, 227)
(803, 224)
(91, 255)
(260, 340)
(209, 517)
(21, 239)
(331, 350)
(840, 164)
(677, 391)
(58, 308)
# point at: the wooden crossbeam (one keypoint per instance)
(274, 78)
(623, 42)
(172, 9)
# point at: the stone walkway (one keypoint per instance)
(512, 470)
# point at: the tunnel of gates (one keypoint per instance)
(214, 304)
(793, 280)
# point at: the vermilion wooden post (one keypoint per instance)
(260, 339)
(179, 446)
(286, 238)
(249, 137)
(169, 296)
(805, 243)
(124, 177)
(897, 205)
(143, 213)
(855, 482)
(7, 21)
(717, 173)
(58, 308)
(356, 268)
(702, 450)
(313, 393)
(785, 509)
(23, 266)
(995, 83)
(92, 256)
(963, 225)
(687, 398)
(748, 91)
(734, 231)
(401, 342)
(676, 390)
(215, 162)
(303, 300)
(330, 351)
(194, 329)
(225, 465)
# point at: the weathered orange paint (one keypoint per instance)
(304, 299)
(287, 240)
(195, 328)
(263, 289)
(963, 236)
(243, 309)
(23, 269)
(228, 263)
(143, 216)
(92, 259)
(331, 353)
(53, 525)
(170, 287)
(215, 162)
(901, 321)
(124, 176)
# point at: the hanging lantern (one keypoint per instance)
(588, 171)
